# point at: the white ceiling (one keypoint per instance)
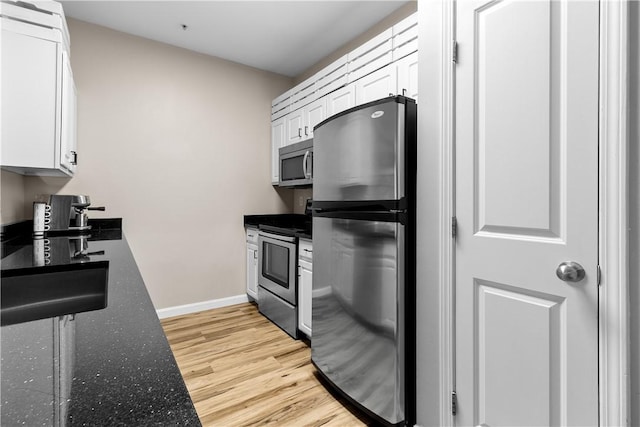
(285, 37)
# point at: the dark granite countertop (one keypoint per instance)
(298, 221)
(109, 366)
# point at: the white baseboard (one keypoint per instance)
(179, 310)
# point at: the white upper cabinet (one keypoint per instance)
(68, 136)
(379, 84)
(38, 93)
(281, 105)
(332, 77)
(384, 66)
(314, 113)
(341, 99)
(278, 140)
(372, 55)
(407, 69)
(300, 122)
(405, 37)
(303, 94)
(295, 126)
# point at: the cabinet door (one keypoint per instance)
(304, 296)
(252, 271)
(341, 99)
(314, 114)
(41, 390)
(29, 93)
(377, 85)
(278, 139)
(408, 76)
(295, 126)
(68, 144)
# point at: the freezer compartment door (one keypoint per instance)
(358, 311)
(360, 155)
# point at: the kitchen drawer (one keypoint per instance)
(305, 249)
(252, 235)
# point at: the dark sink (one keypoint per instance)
(31, 294)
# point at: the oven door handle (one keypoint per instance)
(277, 237)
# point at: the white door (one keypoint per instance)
(526, 201)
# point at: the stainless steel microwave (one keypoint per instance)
(296, 164)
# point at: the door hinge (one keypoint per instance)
(454, 227)
(454, 53)
(454, 403)
(599, 275)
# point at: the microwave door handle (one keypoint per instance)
(304, 164)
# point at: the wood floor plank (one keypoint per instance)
(242, 370)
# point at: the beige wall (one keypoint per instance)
(12, 202)
(178, 145)
(300, 197)
(384, 24)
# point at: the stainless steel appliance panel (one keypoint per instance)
(361, 155)
(277, 265)
(358, 311)
(279, 311)
(296, 164)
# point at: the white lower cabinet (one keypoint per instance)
(305, 275)
(252, 263)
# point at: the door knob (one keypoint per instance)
(570, 271)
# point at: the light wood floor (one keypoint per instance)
(241, 369)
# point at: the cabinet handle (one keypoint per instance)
(404, 92)
(255, 254)
(306, 129)
(74, 158)
(307, 250)
(299, 132)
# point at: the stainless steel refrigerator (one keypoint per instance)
(363, 299)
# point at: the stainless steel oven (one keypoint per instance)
(296, 164)
(277, 280)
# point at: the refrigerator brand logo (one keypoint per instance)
(377, 114)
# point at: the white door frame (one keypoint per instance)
(436, 250)
(613, 250)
